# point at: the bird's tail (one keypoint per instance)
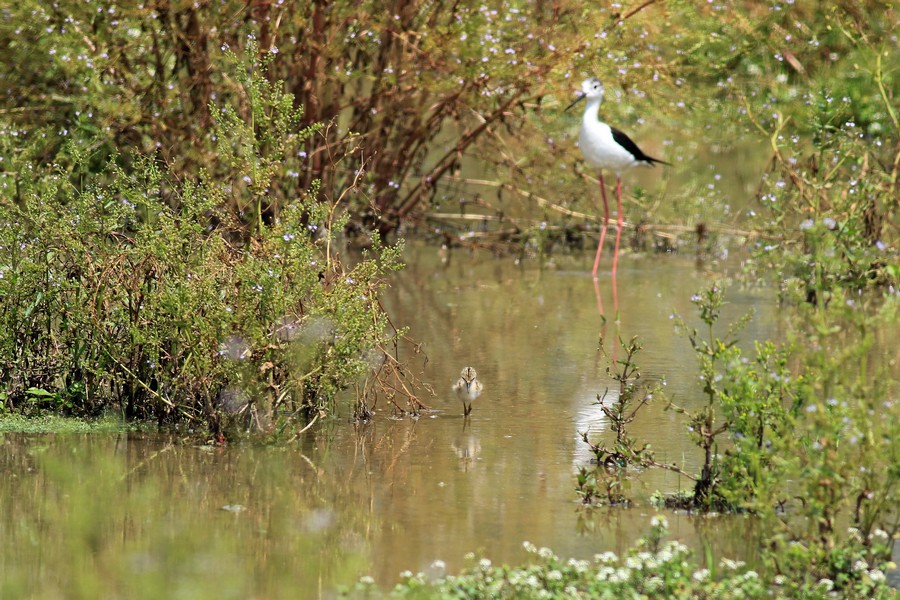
(650, 161)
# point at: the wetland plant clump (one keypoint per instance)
(115, 300)
(608, 483)
(801, 435)
(132, 287)
(652, 568)
(144, 76)
(827, 205)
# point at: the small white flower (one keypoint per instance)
(579, 566)
(734, 565)
(679, 548)
(701, 575)
(485, 563)
(620, 575)
(653, 584)
(367, 580)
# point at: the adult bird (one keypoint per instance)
(606, 147)
(467, 388)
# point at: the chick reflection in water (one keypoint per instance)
(467, 388)
(466, 447)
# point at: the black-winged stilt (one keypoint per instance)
(606, 147)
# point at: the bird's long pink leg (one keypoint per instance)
(603, 230)
(599, 299)
(619, 226)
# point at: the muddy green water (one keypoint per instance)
(132, 516)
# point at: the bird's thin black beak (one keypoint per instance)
(580, 97)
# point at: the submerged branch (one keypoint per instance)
(544, 203)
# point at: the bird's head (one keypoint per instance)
(590, 88)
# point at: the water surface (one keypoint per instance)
(135, 516)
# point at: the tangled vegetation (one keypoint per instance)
(790, 435)
(182, 183)
(130, 287)
(793, 432)
(407, 96)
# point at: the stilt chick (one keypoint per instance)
(467, 389)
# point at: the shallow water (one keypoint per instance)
(133, 516)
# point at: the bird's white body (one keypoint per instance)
(596, 137)
(467, 391)
(597, 144)
(467, 388)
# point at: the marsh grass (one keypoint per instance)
(53, 423)
(113, 299)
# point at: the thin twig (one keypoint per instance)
(635, 11)
(310, 424)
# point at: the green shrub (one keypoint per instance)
(137, 287)
(827, 211)
(111, 297)
(801, 435)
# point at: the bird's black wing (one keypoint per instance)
(626, 142)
